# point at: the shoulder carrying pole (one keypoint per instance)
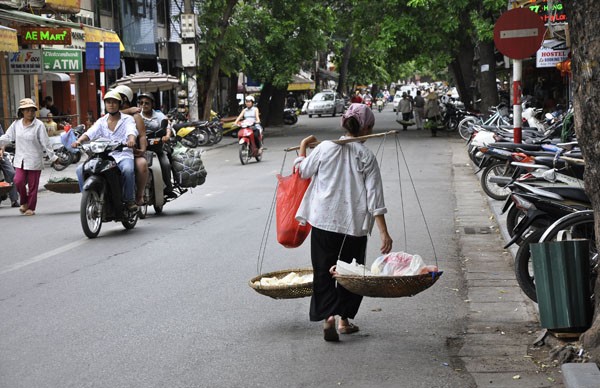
(344, 141)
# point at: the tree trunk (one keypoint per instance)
(216, 65)
(584, 24)
(233, 106)
(342, 87)
(264, 103)
(462, 68)
(276, 106)
(487, 79)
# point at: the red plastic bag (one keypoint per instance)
(290, 192)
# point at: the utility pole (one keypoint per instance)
(188, 56)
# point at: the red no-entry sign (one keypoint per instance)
(519, 33)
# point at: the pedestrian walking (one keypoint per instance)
(405, 108)
(419, 110)
(343, 201)
(432, 112)
(31, 146)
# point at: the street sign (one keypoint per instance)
(519, 33)
(25, 62)
(62, 61)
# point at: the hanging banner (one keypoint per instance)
(25, 62)
(8, 40)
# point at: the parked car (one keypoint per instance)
(326, 102)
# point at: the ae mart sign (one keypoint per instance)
(45, 35)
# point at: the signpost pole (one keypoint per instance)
(517, 91)
(102, 79)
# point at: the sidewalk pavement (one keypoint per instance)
(502, 323)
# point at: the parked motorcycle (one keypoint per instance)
(101, 197)
(289, 116)
(186, 132)
(67, 155)
(248, 148)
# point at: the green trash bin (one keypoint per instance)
(561, 270)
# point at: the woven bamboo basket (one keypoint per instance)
(5, 189)
(387, 286)
(63, 187)
(283, 292)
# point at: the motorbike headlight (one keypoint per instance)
(98, 146)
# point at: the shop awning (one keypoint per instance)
(300, 83)
(60, 77)
(94, 34)
(8, 40)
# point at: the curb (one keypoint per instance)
(586, 375)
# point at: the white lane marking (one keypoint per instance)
(42, 257)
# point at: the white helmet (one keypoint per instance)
(250, 98)
(126, 91)
(112, 94)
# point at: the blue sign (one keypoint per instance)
(92, 55)
(112, 56)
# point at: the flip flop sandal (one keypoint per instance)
(23, 209)
(348, 329)
(330, 334)
(29, 212)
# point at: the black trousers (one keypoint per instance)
(165, 166)
(327, 299)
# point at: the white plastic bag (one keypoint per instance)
(343, 268)
(397, 264)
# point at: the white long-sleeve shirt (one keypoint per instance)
(346, 190)
(31, 144)
(125, 127)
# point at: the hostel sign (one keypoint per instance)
(549, 55)
(45, 35)
(62, 61)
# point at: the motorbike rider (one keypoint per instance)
(251, 112)
(153, 120)
(141, 164)
(118, 127)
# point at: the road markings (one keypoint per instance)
(42, 257)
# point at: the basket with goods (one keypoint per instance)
(397, 274)
(5, 187)
(284, 284)
(63, 185)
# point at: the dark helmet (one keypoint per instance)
(146, 95)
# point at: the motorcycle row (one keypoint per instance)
(541, 183)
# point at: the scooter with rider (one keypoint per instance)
(107, 179)
(251, 132)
